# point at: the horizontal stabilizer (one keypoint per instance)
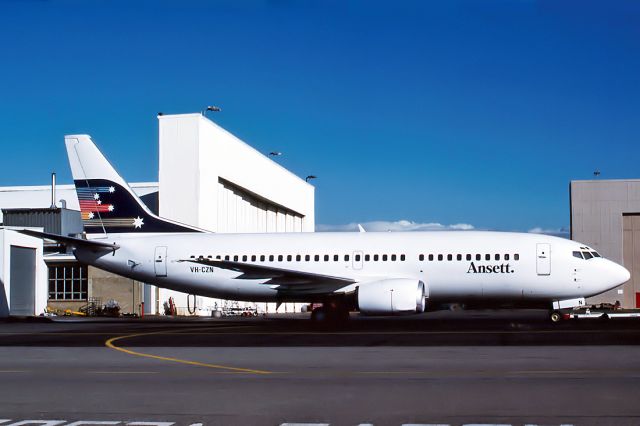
(71, 241)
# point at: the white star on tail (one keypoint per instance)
(138, 222)
(111, 207)
(112, 189)
(96, 196)
(90, 215)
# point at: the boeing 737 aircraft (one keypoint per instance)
(373, 273)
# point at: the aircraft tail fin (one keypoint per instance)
(107, 204)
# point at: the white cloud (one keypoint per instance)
(558, 232)
(397, 226)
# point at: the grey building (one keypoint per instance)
(605, 214)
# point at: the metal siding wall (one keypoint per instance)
(597, 209)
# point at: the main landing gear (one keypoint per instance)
(330, 313)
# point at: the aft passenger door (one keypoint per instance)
(543, 259)
(160, 262)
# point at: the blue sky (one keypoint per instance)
(475, 112)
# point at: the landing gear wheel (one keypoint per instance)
(555, 316)
(327, 315)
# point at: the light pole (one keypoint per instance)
(211, 108)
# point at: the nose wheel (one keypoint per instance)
(555, 316)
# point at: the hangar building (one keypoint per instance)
(605, 214)
(207, 178)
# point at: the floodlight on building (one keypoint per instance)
(211, 108)
(308, 178)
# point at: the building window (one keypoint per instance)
(67, 282)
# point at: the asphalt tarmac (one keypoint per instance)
(486, 367)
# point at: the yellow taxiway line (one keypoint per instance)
(110, 344)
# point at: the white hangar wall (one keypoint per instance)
(211, 179)
(23, 275)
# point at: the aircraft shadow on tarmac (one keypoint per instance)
(479, 329)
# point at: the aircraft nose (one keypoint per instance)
(619, 274)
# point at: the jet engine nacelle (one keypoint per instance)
(392, 297)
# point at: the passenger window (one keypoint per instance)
(235, 258)
(516, 256)
(506, 256)
(367, 257)
(253, 257)
(336, 257)
(244, 258)
(487, 257)
(449, 257)
(497, 257)
(587, 255)
(384, 257)
(430, 258)
(577, 254)
(478, 257)
(459, 257)
(357, 258)
(289, 258)
(375, 257)
(440, 257)
(298, 258)
(280, 258)
(393, 257)
(307, 257)
(271, 258)
(218, 257)
(346, 257)
(421, 258)
(402, 258)
(316, 257)
(468, 257)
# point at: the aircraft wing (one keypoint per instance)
(92, 245)
(286, 280)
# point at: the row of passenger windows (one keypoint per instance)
(469, 257)
(358, 257)
(309, 258)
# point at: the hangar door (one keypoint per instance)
(23, 281)
(631, 258)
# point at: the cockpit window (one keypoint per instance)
(587, 255)
(577, 254)
(595, 254)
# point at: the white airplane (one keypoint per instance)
(373, 273)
